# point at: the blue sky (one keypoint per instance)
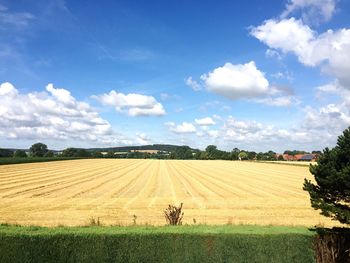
(257, 75)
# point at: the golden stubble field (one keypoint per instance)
(213, 192)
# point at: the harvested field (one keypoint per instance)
(213, 192)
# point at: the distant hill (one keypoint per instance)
(159, 147)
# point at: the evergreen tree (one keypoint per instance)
(331, 193)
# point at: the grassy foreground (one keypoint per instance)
(156, 244)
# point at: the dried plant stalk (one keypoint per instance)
(174, 215)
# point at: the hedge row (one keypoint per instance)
(184, 245)
(13, 160)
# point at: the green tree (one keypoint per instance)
(331, 193)
(69, 152)
(110, 154)
(243, 156)
(212, 152)
(234, 154)
(6, 153)
(19, 154)
(280, 158)
(251, 155)
(183, 152)
(74, 152)
(83, 153)
(49, 154)
(38, 150)
(203, 156)
(97, 154)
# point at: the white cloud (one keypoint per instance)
(134, 104)
(246, 81)
(16, 19)
(288, 35)
(61, 95)
(318, 128)
(8, 89)
(193, 84)
(327, 122)
(213, 133)
(283, 101)
(56, 115)
(142, 139)
(237, 81)
(166, 96)
(327, 50)
(312, 11)
(336, 89)
(184, 127)
(271, 53)
(207, 121)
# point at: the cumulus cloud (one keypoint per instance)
(335, 89)
(134, 104)
(207, 121)
(53, 114)
(312, 11)
(237, 81)
(326, 50)
(193, 84)
(184, 127)
(246, 81)
(319, 128)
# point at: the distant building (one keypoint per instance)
(145, 151)
(308, 157)
(298, 157)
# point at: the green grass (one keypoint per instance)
(13, 160)
(144, 229)
(200, 243)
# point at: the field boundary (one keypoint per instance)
(156, 244)
(12, 160)
(290, 163)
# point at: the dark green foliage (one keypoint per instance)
(6, 153)
(38, 150)
(13, 160)
(331, 193)
(19, 154)
(268, 156)
(251, 155)
(97, 154)
(294, 152)
(75, 152)
(280, 158)
(49, 154)
(110, 154)
(162, 244)
(213, 153)
(182, 153)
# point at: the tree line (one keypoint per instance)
(211, 152)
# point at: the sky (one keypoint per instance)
(256, 75)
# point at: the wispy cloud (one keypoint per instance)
(14, 20)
